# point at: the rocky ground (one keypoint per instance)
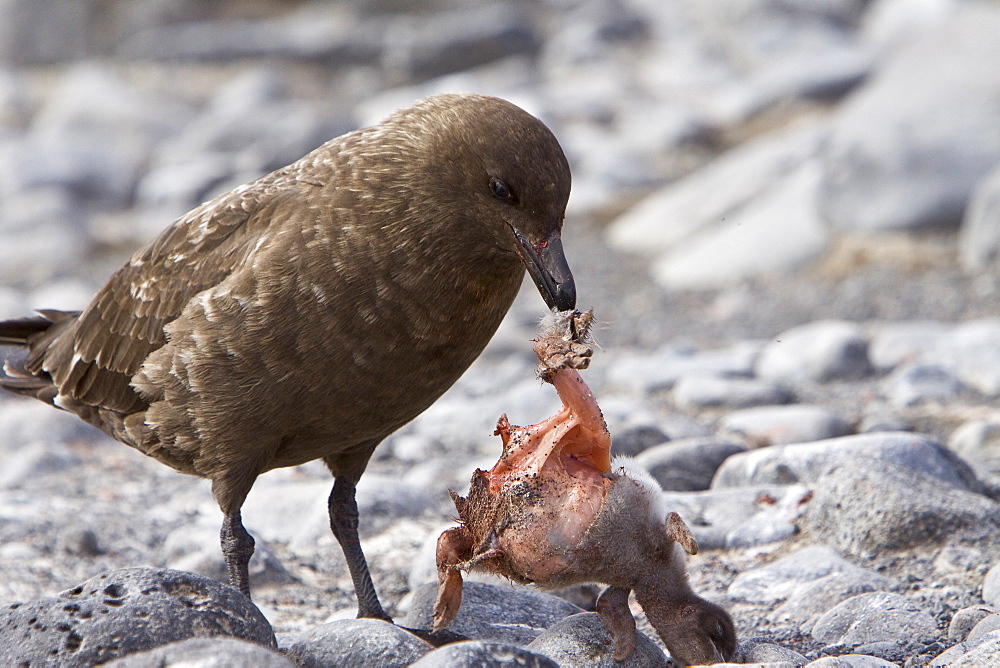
(785, 215)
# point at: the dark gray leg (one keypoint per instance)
(237, 548)
(344, 524)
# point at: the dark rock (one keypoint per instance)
(687, 465)
(356, 642)
(491, 612)
(582, 641)
(125, 611)
(634, 439)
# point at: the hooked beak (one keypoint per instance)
(546, 264)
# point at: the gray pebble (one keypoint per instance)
(491, 612)
(896, 509)
(778, 425)
(807, 462)
(983, 651)
(919, 383)
(790, 577)
(635, 439)
(979, 240)
(756, 650)
(484, 654)
(356, 642)
(697, 391)
(876, 617)
(896, 343)
(217, 652)
(851, 661)
(988, 624)
(978, 441)
(126, 611)
(818, 351)
(581, 640)
(991, 586)
(687, 465)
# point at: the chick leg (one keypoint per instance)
(344, 524)
(237, 548)
(612, 608)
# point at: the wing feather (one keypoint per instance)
(94, 361)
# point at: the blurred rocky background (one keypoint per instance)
(786, 214)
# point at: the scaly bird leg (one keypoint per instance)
(344, 524)
(237, 548)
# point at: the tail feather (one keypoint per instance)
(17, 332)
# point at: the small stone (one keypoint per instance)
(687, 465)
(756, 650)
(851, 661)
(765, 426)
(983, 651)
(965, 620)
(484, 654)
(991, 586)
(877, 617)
(493, 612)
(218, 652)
(581, 640)
(356, 642)
(785, 578)
(635, 439)
(896, 343)
(914, 384)
(986, 625)
(979, 238)
(696, 391)
(978, 441)
(819, 351)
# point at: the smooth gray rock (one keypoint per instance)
(819, 351)
(765, 426)
(757, 650)
(807, 462)
(776, 233)
(979, 237)
(913, 384)
(126, 611)
(983, 651)
(687, 465)
(875, 617)
(851, 661)
(787, 578)
(37, 32)
(484, 654)
(698, 391)
(991, 586)
(356, 642)
(635, 439)
(742, 517)
(978, 442)
(41, 222)
(215, 652)
(972, 352)
(491, 612)
(662, 368)
(987, 625)
(894, 343)
(580, 640)
(697, 202)
(899, 157)
(912, 509)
